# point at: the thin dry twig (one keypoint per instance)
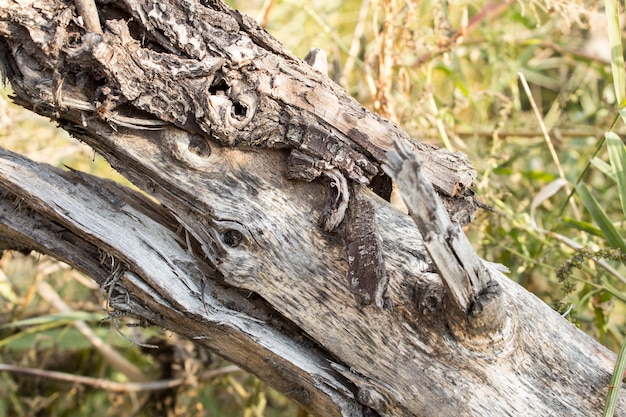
(112, 386)
(116, 360)
(548, 140)
(355, 45)
(89, 12)
(531, 133)
(264, 15)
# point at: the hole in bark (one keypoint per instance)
(239, 110)
(382, 186)
(220, 87)
(232, 238)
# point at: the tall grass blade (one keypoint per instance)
(55, 319)
(616, 383)
(617, 157)
(609, 288)
(598, 214)
(582, 226)
(604, 168)
(617, 57)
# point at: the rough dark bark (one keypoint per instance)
(204, 111)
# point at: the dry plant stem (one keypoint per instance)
(266, 10)
(117, 361)
(383, 99)
(441, 128)
(113, 386)
(88, 11)
(548, 140)
(488, 133)
(355, 44)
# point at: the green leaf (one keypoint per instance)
(617, 156)
(609, 288)
(584, 296)
(603, 167)
(616, 383)
(443, 68)
(617, 57)
(609, 231)
(63, 339)
(55, 319)
(542, 176)
(582, 226)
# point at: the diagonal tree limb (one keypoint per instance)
(68, 215)
(209, 135)
(476, 298)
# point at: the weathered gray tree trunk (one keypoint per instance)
(251, 253)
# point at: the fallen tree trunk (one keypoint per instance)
(205, 112)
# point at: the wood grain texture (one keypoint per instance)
(149, 273)
(213, 147)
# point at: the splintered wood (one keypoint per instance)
(476, 298)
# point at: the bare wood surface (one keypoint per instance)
(148, 273)
(88, 12)
(277, 299)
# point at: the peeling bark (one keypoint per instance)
(203, 110)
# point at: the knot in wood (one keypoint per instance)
(228, 234)
(192, 150)
(231, 105)
(428, 295)
(199, 146)
(232, 238)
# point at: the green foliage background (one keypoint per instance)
(451, 73)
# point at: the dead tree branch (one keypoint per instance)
(266, 246)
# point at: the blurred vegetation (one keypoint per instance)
(452, 73)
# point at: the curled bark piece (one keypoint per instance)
(338, 196)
